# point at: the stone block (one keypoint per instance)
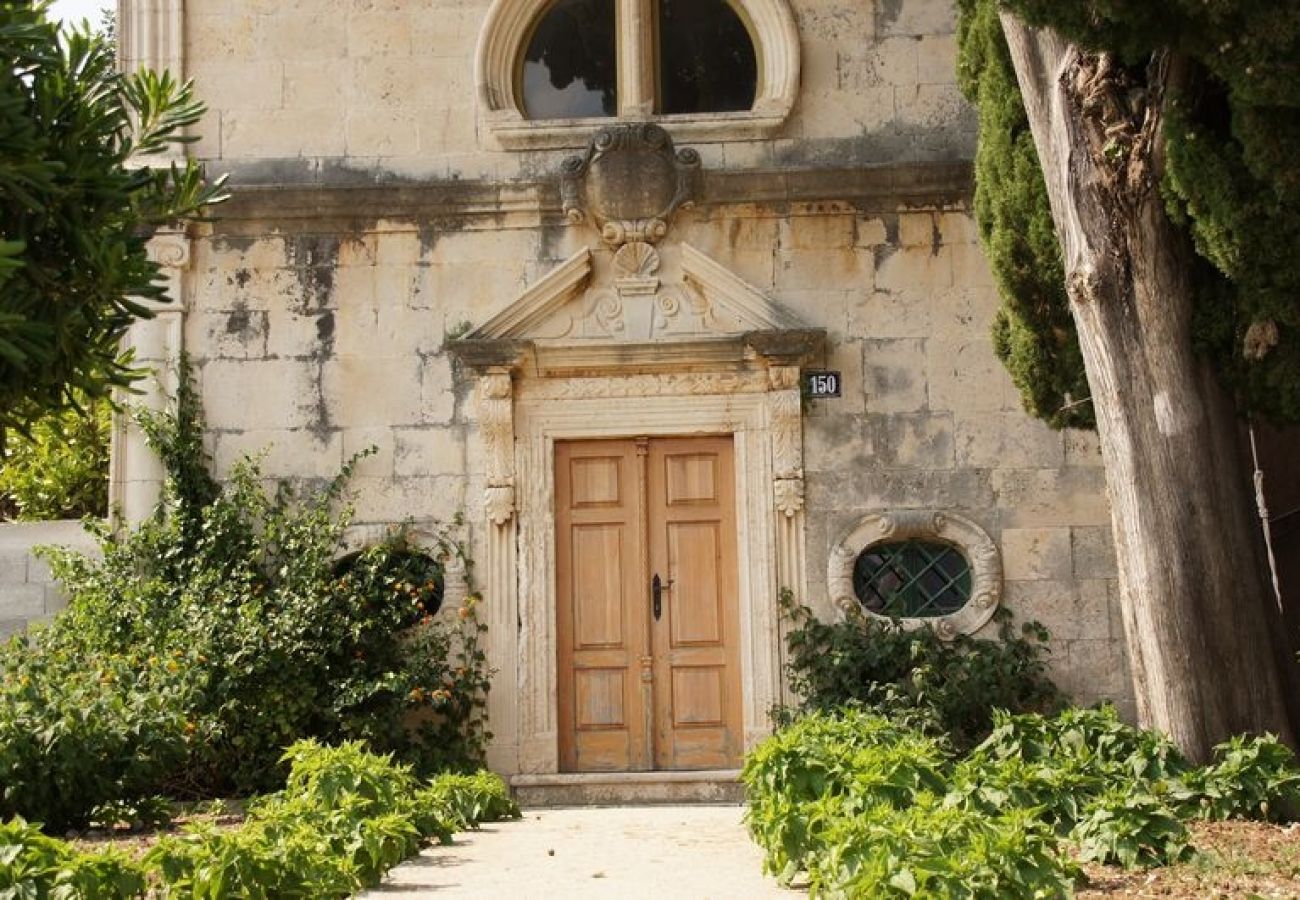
(1082, 448)
(915, 270)
(911, 441)
(423, 452)
(871, 232)
(1094, 552)
(380, 438)
(958, 228)
(244, 394)
(933, 107)
(282, 34)
(55, 600)
(22, 602)
(1050, 497)
(886, 314)
(836, 443)
(284, 453)
(970, 267)
(379, 33)
(844, 355)
(965, 374)
(240, 83)
(1037, 554)
(842, 269)
(834, 114)
(231, 334)
(257, 133)
(13, 567)
(437, 391)
(901, 17)
(392, 500)
(446, 129)
(880, 64)
(371, 390)
(960, 489)
(918, 229)
(832, 22)
(1006, 440)
(894, 375)
(936, 56)
(382, 131)
(314, 83)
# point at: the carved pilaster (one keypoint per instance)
(151, 35)
(785, 416)
(137, 473)
(501, 589)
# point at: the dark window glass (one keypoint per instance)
(706, 58)
(912, 579)
(569, 67)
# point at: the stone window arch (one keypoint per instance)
(925, 529)
(510, 26)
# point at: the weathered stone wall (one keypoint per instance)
(319, 345)
(384, 223)
(28, 592)
(322, 90)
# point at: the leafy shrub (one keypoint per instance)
(1254, 776)
(60, 469)
(263, 642)
(345, 817)
(35, 866)
(944, 687)
(827, 767)
(929, 850)
(474, 798)
(1131, 829)
(80, 730)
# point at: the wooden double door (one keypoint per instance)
(647, 605)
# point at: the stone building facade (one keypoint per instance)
(408, 262)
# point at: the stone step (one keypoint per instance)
(628, 788)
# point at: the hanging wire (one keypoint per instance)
(1261, 502)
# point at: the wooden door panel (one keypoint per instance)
(691, 511)
(695, 610)
(600, 628)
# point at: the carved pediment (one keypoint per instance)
(640, 294)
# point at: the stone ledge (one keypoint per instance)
(628, 788)
(321, 206)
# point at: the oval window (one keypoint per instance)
(409, 576)
(569, 66)
(912, 579)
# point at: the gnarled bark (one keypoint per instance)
(1195, 604)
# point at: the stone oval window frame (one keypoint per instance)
(924, 525)
(455, 575)
(509, 24)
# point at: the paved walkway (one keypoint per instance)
(660, 852)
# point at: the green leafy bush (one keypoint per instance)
(1132, 829)
(1253, 776)
(944, 687)
(237, 594)
(35, 866)
(78, 730)
(60, 469)
(929, 850)
(827, 767)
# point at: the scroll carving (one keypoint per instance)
(496, 419)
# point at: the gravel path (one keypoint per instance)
(660, 852)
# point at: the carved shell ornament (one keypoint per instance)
(630, 183)
(940, 526)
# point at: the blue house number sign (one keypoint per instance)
(822, 383)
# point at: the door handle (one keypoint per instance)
(657, 588)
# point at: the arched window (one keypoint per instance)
(711, 68)
(703, 60)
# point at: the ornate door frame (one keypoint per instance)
(522, 417)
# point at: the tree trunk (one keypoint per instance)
(1196, 607)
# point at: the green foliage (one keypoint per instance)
(944, 687)
(869, 806)
(44, 868)
(59, 470)
(344, 818)
(1033, 333)
(1131, 829)
(825, 767)
(76, 209)
(1229, 178)
(79, 729)
(929, 850)
(1253, 777)
(228, 631)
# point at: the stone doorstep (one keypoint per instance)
(720, 786)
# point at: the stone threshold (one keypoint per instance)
(720, 786)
